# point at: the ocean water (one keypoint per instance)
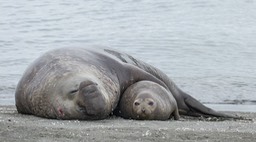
(208, 47)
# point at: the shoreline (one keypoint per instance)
(18, 127)
(216, 106)
(233, 107)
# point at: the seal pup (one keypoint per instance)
(147, 100)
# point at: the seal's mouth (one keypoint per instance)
(142, 116)
(84, 111)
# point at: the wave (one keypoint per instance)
(234, 102)
(7, 90)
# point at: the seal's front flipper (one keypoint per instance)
(176, 114)
(198, 108)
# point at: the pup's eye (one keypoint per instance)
(136, 103)
(151, 103)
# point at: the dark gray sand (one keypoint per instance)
(18, 127)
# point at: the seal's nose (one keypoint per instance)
(92, 100)
(143, 110)
(86, 83)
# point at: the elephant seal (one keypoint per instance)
(86, 84)
(147, 100)
(76, 83)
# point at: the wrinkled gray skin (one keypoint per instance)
(76, 83)
(146, 100)
(82, 83)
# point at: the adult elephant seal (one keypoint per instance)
(76, 83)
(82, 83)
(147, 100)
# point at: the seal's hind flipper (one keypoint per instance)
(198, 108)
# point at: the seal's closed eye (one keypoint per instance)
(73, 91)
(71, 94)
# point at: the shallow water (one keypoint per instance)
(206, 47)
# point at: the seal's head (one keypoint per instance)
(144, 106)
(82, 97)
(146, 100)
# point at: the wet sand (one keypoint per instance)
(18, 127)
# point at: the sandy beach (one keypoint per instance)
(18, 127)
